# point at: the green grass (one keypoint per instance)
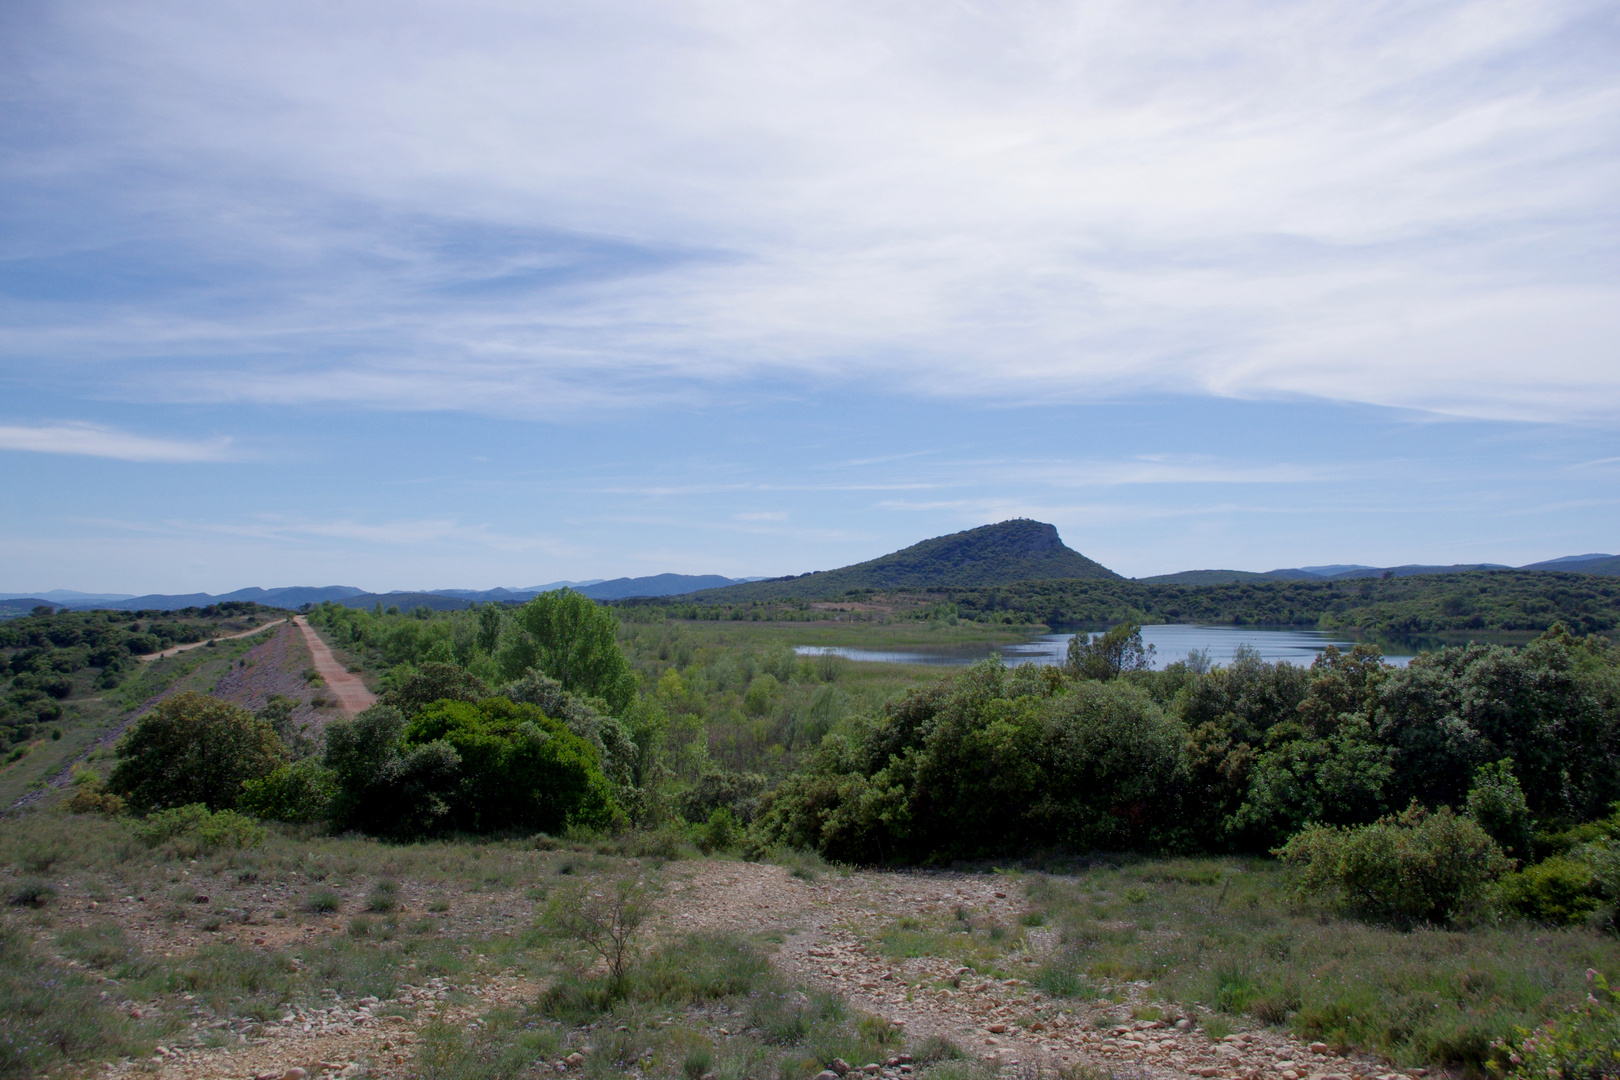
(1228, 936)
(51, 1016)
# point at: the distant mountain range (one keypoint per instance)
(1000, 554)
(1607, 565)
(297, 596)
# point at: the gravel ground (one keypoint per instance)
(829, 929)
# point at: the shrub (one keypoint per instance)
(299, 792)
(90, 796)
(1417, 866)
(31, 892)
(522, 768)
(1497, 802)
(193, 748)
(203, 828)
(719, 833)
(604, 916)
(1558, 890)
(323, 902)
(1583, 1045)
(384, 897)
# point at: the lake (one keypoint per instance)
(1171, 642)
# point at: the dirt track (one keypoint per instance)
(346, 686)
(172, 650)
(829, 930)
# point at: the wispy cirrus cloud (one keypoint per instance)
(538, 212)
(94, 440)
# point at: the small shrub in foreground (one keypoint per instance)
(1583, 1045)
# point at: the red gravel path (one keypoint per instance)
(346, 686)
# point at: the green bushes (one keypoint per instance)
(1582, 1045)
(1496, 801)
(299, 792)
(193, 748)
(1558, 890)
(1418, 866)
(197, 828)
(990, 761)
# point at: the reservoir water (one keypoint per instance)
(1171, 642)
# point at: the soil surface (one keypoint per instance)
(830, 930)
(828, 933)
(350, 692)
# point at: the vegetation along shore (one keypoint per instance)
(572, 838)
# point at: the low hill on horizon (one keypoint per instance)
(1009, 551)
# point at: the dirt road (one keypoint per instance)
(830, 931)
(199, 644)
(345, 685)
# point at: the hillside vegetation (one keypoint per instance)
(1480, 600)
(992, 554)
(1409, 861)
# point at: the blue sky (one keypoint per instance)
(431, 295)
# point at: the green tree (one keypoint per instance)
(1497, 802)
(193, 748)
(574, 640)
(522, 769)
(1109, 655)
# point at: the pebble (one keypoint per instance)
(1319, 1047)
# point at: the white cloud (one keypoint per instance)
(1400, 204)
(95, 441)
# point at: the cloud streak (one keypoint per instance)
(92, 440)
(540, 212)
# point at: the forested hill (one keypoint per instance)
(1017, 550)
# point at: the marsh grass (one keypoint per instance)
(1232, 937)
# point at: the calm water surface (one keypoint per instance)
(1171, 642)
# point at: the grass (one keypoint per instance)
(1228, 938)
(51, 1016)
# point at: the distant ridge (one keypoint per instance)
(1607, 565)
(1016, 550)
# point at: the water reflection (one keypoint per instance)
(1171, 642)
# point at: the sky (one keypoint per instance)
(429, 295)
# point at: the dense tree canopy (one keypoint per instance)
(193, 748)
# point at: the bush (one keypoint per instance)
(31, 892)
(1497, 802)
(719, 833)
(323, 902)
(90, 796)
(200, 827)
(1584, 1045)
(193, 748)
(1559, 890)
(299, 792)
(1417, 866)
(522, 768)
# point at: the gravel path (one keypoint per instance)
(829, 930)
(172, 650)
(345, 685)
